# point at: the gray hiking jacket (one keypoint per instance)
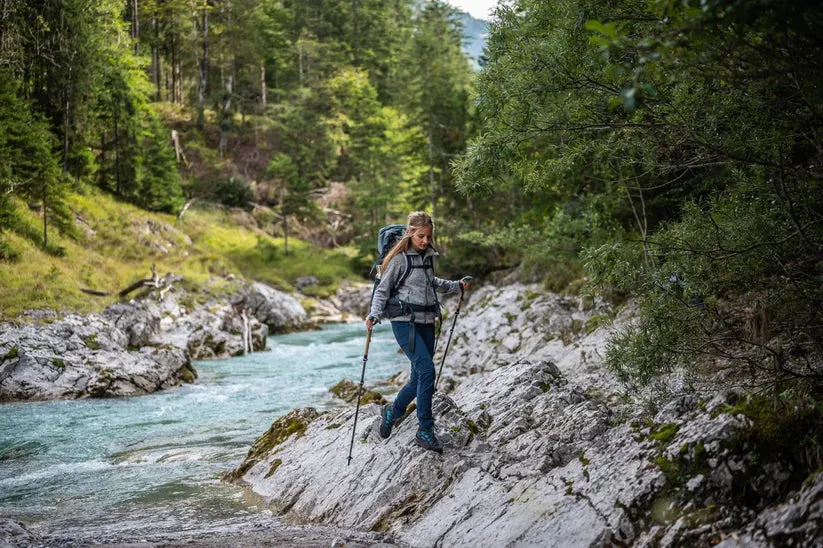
(418, 288)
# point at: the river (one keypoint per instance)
(132, 468)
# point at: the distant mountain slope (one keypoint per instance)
(475, 31)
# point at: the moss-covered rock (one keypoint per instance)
(346, 390)
(187, 373)
(293, 423)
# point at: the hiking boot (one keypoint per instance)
(427, 440)
(387, 421)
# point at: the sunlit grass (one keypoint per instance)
(118, 243)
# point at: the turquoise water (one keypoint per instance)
(122, 468)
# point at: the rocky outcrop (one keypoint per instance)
(796, 522)
(354, 299)
(132, 348)
(83, 356)
(15, 535)
(280, 311)
(350, 303)
(211, 330)
(347, 391)
(537, 449)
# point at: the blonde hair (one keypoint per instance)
(416, 221)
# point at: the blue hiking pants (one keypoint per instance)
(421, 381)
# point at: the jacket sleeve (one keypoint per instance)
(387, 282)
(445, 286)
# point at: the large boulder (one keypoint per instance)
(139, 320)
(280, 311)
(211, 330)
(83, 356)
(355, 298)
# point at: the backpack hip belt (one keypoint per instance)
(395, 307)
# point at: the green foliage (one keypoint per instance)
(28, 169)
(664, 433)
(680, 123)
(160, 187)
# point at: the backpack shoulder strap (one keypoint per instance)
(405, 275)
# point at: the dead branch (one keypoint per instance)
(95, 292)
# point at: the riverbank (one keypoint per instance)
(15, 535)
(125, 469)
(140, 346)
(541, 442)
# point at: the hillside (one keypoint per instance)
(117, 244)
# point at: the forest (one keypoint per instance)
(659, 152)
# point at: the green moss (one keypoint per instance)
(595, 322)
(12, 353)
(333, 426)
(91, 342)
(274, 466)
(347, 390)
(372, 397)
(510, 317)
(472, 426)
(665, 433)
(58, 363)
(582, 458)
(545, 387)
(293, 423)
(187, 373)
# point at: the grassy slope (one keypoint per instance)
(116, 248)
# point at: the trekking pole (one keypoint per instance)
(451, 331)
(359, 392)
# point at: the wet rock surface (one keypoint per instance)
(540, 447)
(14, 534)
(257, 536)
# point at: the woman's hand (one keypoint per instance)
(370, 322)
(465, 282)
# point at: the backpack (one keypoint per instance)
(387, 238)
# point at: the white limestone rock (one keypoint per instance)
(82, 356)
(280, 311)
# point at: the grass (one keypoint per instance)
(118, 243)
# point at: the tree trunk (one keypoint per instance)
(116, 152)
(204, 64)
(66, 133)
(155, 61)
(135, 24)
(45, 216)
(263, 90)
(225, 120)
(173, 68)
(431, 173)
(356, 35)
(300, 63)
(285, 221)
(285, 234)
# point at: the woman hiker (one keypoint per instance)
(407, 295)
